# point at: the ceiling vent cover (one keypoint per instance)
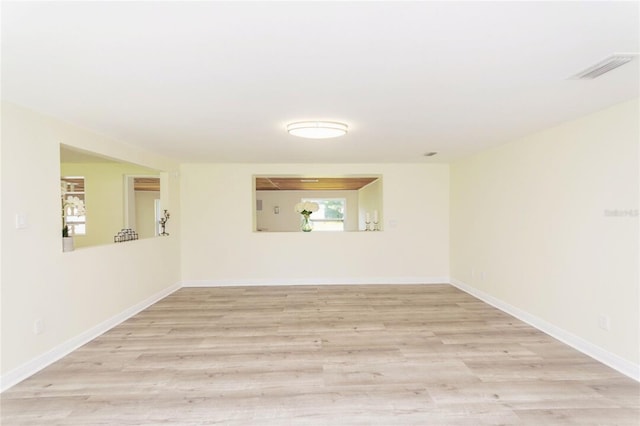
(604, 66)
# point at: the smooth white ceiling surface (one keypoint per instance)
(218, 81)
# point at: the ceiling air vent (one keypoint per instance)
(604, 66)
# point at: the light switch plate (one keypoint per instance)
(22, 221)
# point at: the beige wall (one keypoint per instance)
(70, 292)
(220, 247)
(531, 225)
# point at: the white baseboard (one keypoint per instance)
(622, 365)
(29, 368)
(315, 281)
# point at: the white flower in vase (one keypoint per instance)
(305, 208)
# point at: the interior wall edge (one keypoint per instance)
(619, 364)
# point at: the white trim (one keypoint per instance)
(315, 281)
(622, 365)
(29, 368)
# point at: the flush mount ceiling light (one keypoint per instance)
(317, 129)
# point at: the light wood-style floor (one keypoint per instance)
(324, 355)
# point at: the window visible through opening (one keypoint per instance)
(330, 215)
(73, 202)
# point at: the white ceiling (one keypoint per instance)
(218, 81)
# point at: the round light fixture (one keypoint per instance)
(317, 129)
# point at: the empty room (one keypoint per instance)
(320, 213)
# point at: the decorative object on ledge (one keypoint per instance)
(307, 225)
(368, 221)
(163, 223)
(67, 244)
(125, 235)
(305, 209)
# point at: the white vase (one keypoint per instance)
(67, 243)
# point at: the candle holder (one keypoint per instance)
(375, 225)
(163, 223)
(368, 225)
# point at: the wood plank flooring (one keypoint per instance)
(324, 355)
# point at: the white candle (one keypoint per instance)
(367, 217)
(375, 216)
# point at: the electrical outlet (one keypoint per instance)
(604, 322)
(38, 326)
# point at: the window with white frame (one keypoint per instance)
(330, 215)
